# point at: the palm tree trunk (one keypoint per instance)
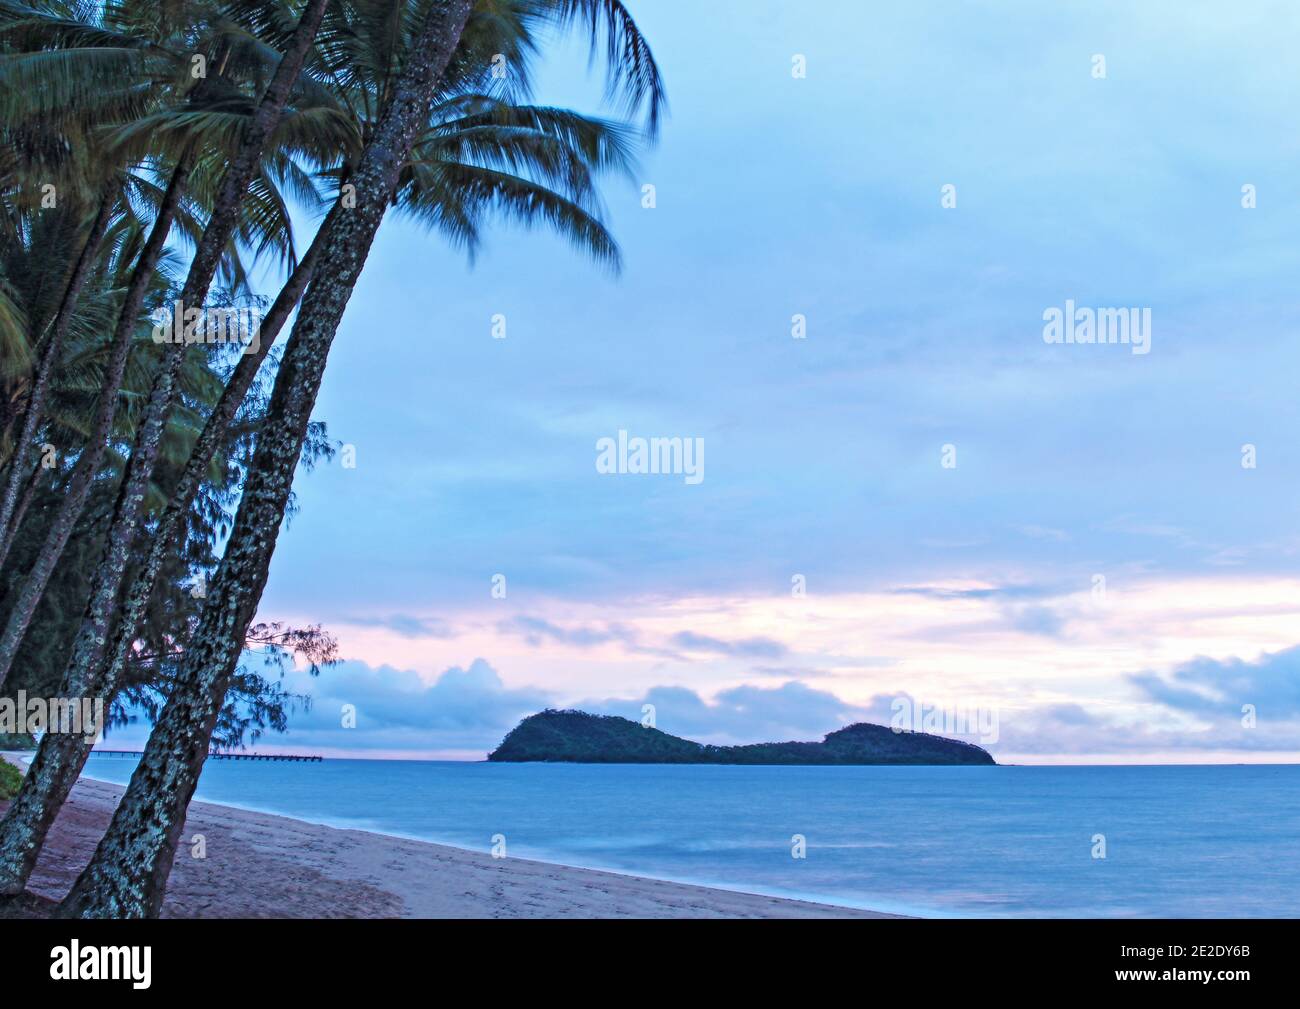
(45, 368)
(87, 465)
(54, 770)
(25, 825)
(106, 582)
(60, 758)
(24, 502)
(127, 875)
(168, 535)
(92, 454)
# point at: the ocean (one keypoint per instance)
(1208, 841)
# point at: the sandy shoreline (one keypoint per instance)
(260, 865)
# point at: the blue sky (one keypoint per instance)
(821, 196)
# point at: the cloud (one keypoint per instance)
(1036, 620)
(792, 672)
(1063, 728)
(1195, 706)
(1204, 704)
(743, 714)
(535, 630)
(979, 593)
(1219, 687)
(1024, 608)
(464, 708)
(406, 625)
(754, 648)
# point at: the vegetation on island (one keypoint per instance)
(580, 737)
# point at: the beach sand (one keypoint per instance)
(264, 866)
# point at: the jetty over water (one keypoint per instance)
(308, 758)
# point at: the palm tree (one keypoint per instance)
(127, 875)
(450, 190)
(36, 810)
(62, 79)
(30, 816)
(212, 246)
(461, 167)
(35, 405)
(60, 757)
(178, 170)
(222, 222)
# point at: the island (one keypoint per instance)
(584, 738)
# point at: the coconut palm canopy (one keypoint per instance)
(157, 157)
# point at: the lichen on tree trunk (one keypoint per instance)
(54, 770)
(30, 816)
(91, 641)
(89, 670)
(127, 875)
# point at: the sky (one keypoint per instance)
(920, 502)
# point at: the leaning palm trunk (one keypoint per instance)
(25, 826)
(61, 756)
(44, 369)
(127, 875)
(88, 646)
(87, 465)
(54, 770)
(34, 482)
(169, 533)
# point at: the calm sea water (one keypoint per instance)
(950, 841)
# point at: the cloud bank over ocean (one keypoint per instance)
(1204, 706)
(1074, 466)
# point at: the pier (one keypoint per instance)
(213, 755)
